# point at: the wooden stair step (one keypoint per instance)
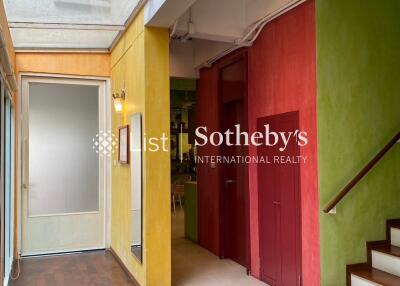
(393, 222)
(394, 235)
(377, 276)
(388, 249)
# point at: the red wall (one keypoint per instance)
(281, 78)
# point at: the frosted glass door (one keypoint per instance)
(63, 169)
(63, 190)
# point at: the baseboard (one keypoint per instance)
(135, 282)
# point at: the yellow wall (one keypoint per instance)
(140, 64)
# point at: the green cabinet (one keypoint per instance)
(191, 211)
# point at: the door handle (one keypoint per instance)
(228, 183)
(26, 186)
(276, 203)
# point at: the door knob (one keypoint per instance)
(228, 183)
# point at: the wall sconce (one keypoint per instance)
(118, 100)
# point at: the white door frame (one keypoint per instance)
(102, 82)
(11, 177)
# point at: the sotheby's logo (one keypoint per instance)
(237, 137)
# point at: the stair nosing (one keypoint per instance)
(372, 269)
(384, 250)
(367, 280)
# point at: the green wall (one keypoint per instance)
(358, 81)
(191, 211)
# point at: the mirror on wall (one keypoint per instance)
(136, 184)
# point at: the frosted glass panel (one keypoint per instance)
(104, 12)
(63, 167)
(62, 38)
(61, 15)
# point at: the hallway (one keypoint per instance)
(98, 268)
(193, 265)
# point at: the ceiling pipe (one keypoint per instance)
(6, 64)
(255, 30)
(172, 34)
(269, 18)
(190, 28)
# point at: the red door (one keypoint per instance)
(279, 206)
(234, 192)
(234, 239)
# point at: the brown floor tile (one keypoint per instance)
(98, 268)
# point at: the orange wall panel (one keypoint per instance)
(78, 64)
(6, 34)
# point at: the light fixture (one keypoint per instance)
(118, 100)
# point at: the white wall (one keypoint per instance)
(182, 60)
(257, 9)
(222, 20)
(217, 26)
(164, 13)
(205, 50)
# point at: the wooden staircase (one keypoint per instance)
(383, 265)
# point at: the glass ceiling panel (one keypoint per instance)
(102, 12)
(50, 23)
(62, 38)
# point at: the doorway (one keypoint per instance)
(279, 206)
(234, 189)
(192, 262)
(65, 169)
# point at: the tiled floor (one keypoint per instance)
(192, 265)
(88, 269)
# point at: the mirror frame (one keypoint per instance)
(139, 249)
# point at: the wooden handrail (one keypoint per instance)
(361, 174)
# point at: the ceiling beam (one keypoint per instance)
(62, 50)
(30, 25)
(213, 20)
